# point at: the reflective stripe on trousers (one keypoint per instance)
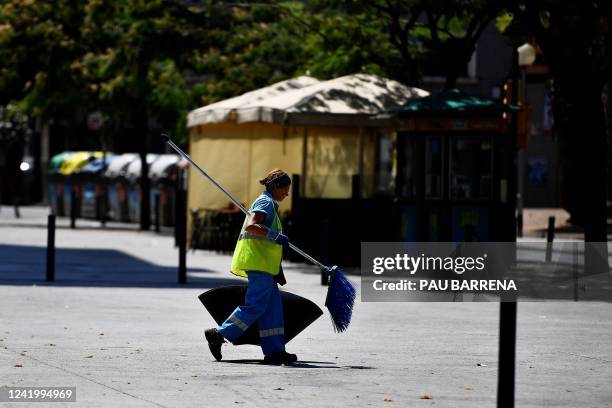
(262, 305)
(243, 326)
(272, 332)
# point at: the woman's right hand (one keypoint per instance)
(282, 239)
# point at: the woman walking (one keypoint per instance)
(257, 257)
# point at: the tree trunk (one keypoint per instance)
(456, 56)
(569, 48)
(583, 145)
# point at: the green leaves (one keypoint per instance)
(167, 56)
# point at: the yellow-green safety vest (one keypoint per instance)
(254, 253)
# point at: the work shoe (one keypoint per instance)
(215, 340)
(280, 358)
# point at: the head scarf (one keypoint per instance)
(281, 180)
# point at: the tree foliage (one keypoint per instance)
(410, 34)
(259, 44)
(39, 41)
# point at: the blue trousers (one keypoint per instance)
(262, 305)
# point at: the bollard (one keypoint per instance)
(519, 224)
(355, 187)
(51, 248)
(102, 206)
(181, 224)
(575, 270)
(507, 354)
(157, 214)
(73, 208)
(550, 236)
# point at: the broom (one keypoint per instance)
(341, 293)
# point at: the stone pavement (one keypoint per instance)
(117, 326)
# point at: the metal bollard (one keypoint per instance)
(550, 236)
(519, 224)
(181, 226)
(73, 208)
(102, 206)
(507, 355)
(157, 212)
(51, 248)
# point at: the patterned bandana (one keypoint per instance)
(282, 180)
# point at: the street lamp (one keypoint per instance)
(526, 57)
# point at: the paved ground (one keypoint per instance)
(117, 326)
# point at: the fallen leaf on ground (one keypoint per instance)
(89, 357)
(279, 389)
(481, 365)
(425, 396)
(18, 365)
(51, 345)
(387, 399)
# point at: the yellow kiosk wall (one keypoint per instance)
(237, 155)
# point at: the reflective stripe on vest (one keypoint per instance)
(245, 235)
(254, 253)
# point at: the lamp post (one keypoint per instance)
(516, 33)
(526, 57)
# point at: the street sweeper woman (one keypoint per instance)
(257, 257)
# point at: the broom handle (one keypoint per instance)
(244, 210)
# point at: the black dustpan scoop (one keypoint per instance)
(298, 312)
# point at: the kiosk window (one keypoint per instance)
(407, 183)
(433, 175)
(470, 172)
(385, 167)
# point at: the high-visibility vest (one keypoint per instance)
(255, 253)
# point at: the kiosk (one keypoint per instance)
(455, 170)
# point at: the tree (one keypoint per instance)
(259, 44)
(138, 51)
(454, 28)
(443, 32)
(575, 38)
(14, 129)
(39, 41)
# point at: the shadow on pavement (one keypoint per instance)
(110, 228)
(299, 364)
(26, 265)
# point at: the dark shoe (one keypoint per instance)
(280, 358)
(215, 340)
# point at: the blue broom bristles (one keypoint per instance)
(340, 299)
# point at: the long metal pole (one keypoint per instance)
(507, 308)
(238, 204)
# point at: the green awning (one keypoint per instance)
(453, 101)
